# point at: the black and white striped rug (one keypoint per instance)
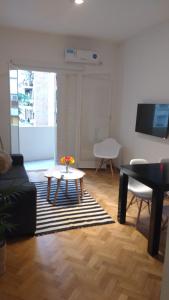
(67, 213)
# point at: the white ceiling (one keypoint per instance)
(109, 19)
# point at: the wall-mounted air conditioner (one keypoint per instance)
(82, 56)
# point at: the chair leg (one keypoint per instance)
(139, 211)
(149, 207)
(131, 202)
(111, 166)
(100, 164)
(164, 225)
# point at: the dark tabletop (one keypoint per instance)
(155, 175)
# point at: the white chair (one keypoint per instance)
(106, 151)
(141, 193)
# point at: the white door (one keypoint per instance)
(67, 114)
(84, 115)
(95, 115)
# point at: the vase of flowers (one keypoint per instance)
(67, 160)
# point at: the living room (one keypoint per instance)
(134, 69)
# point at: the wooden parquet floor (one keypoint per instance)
(108, 262)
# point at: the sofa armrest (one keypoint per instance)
(23, 210)
(17, 159)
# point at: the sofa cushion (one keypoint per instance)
(5, 162)
(13, 173)
(17, 159)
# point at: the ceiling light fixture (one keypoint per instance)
(78, 2)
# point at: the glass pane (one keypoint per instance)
(36, 98)
(14, 111)
(13, 73)
(13, 86)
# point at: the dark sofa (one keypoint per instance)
(22, 210)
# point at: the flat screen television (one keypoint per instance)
(153, 119)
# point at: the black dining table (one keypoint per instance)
(155, 176)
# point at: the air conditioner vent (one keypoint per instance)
(82, 56)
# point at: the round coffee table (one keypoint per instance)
(59, 173)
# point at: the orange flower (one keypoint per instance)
(67, 160)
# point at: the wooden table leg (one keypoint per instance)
(123, 188)
(49, 185)
(81, 186)
(77, 190)
(66, 187)
(57, 190)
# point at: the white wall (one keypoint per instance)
(35, 50)
(143, 77)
